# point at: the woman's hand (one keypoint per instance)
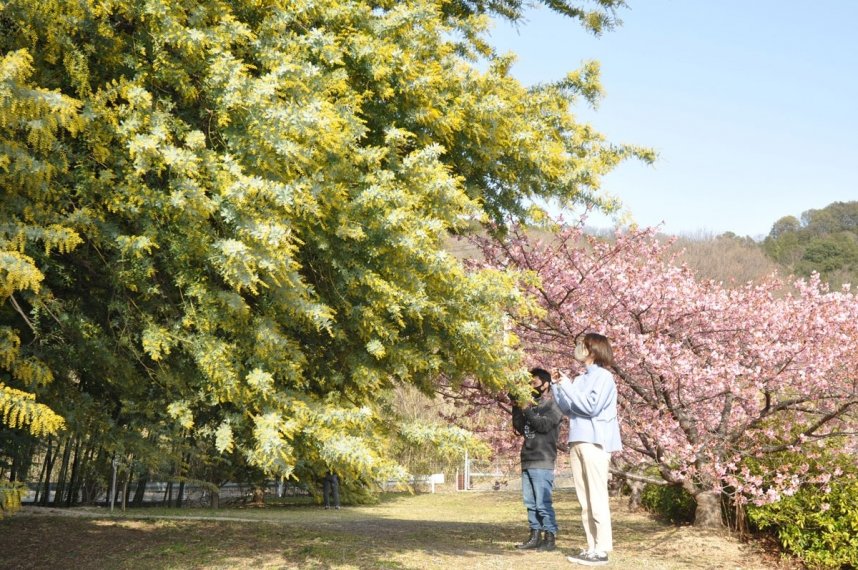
(559, 376)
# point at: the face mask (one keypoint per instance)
(581, 352)
(536, 393)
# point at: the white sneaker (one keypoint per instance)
(589, 559)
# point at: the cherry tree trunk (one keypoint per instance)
(708, 514)
(636, 494)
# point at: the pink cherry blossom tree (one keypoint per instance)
(709, 375)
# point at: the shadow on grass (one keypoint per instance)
(445, 531)
(309, 540)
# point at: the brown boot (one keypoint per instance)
(533, 542)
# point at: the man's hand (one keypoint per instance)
(559, 376)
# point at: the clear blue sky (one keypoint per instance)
(752, 105)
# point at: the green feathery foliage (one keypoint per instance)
(228, 219)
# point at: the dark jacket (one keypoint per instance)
(540, 426)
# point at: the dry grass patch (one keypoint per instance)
(474, 530)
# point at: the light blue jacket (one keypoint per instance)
(590, 401)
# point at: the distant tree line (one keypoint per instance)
(825, 241)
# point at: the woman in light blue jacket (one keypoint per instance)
(590, 401)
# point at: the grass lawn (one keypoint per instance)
(449, 531)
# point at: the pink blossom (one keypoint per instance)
(707, 375)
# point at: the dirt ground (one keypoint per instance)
(429, 531)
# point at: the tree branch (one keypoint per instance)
(636, 477)
(21, 312)
(809, 432)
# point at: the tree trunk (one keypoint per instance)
(140, 492)
(64, 470)
(180, 496)
(181, 472)
(708, 513)
(74, 478)
(636, 494)
(90, 484)
(42, 473)
(50, 457)
(125, 487)
(84, 486)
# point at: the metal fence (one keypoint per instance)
(159, 493)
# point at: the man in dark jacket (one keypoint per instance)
(331, 489)
(539, 423)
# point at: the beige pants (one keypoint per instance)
(590, 472)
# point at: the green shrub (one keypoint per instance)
(11, 494)
(820, 528)
(670, 502)
(819, 523)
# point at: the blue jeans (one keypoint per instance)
(536, 488)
